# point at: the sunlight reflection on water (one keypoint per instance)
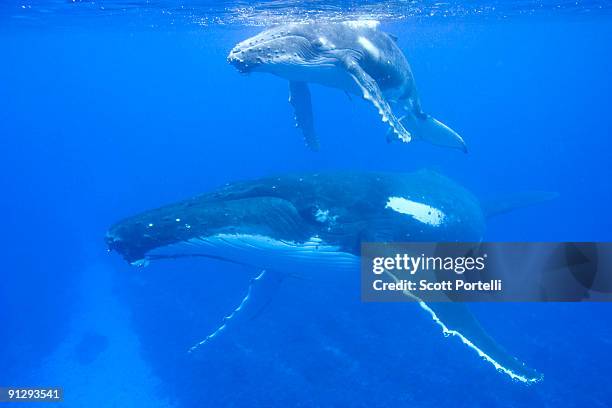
(270, 12)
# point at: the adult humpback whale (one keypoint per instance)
(308, 223)
(353, 56)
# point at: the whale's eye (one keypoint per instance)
(317, 43)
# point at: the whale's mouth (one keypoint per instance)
(252, 250)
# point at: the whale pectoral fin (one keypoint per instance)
(372, 93)
(299, 98)
(257, 297)
(456, 320)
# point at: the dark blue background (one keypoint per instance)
(99, 120)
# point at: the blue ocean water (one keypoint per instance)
(108, 108)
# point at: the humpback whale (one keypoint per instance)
(354, 56)
(305, 223)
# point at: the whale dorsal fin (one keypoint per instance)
(299, 98)
(371, 92)
(509, 202)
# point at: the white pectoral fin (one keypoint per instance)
(299, 98)
(372, 93)
(258, 295)
(456, 320)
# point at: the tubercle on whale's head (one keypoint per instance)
(289, 45)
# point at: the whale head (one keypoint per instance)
(285, 51)
(263, 223)
(301, 217)
(215, 227)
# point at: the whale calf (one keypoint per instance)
(354, 56)
(315, 223)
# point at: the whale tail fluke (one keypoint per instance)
(427, 128)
